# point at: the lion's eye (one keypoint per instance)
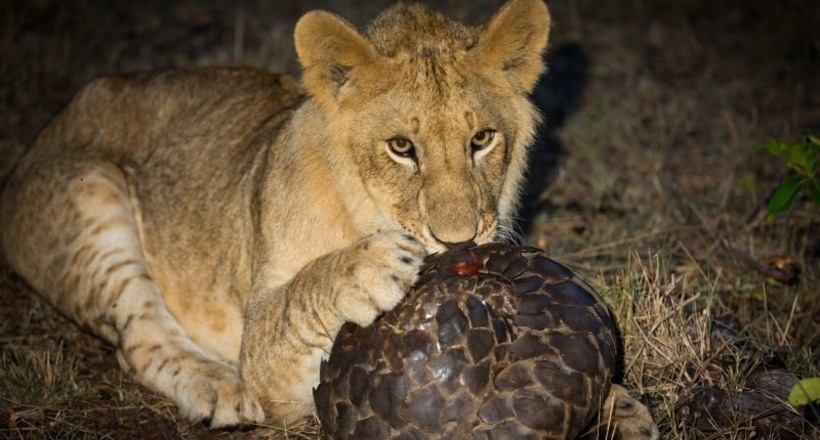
(401, 147)
(482, 140)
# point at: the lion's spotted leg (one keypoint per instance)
(289, 330)
(90, 265)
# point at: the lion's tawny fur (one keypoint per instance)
(217, 226)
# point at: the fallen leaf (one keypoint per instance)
(804, 392)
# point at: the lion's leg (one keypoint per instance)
(69, 229)
(290, 329)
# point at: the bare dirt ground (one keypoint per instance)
(646, 182)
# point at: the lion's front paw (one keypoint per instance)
(220, 397)
(377, 273)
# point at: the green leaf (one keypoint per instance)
(814, 157)
(783, 197)
(799, 158)
(776, 148)
(814, 190)
(804, 392)
(802, 157)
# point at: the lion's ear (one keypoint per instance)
(514, 41)
(331, 52)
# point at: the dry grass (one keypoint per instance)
(677, 94)
(679, 343)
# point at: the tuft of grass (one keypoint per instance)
(45, 375)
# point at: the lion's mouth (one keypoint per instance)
(486, 233)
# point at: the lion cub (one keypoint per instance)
(218, 226)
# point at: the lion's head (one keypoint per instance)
(433, 114)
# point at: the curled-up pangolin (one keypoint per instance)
(493, 342)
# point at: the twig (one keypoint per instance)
(693, 218)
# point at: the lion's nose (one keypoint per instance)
(450, 202)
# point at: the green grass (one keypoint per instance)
(42, 375)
